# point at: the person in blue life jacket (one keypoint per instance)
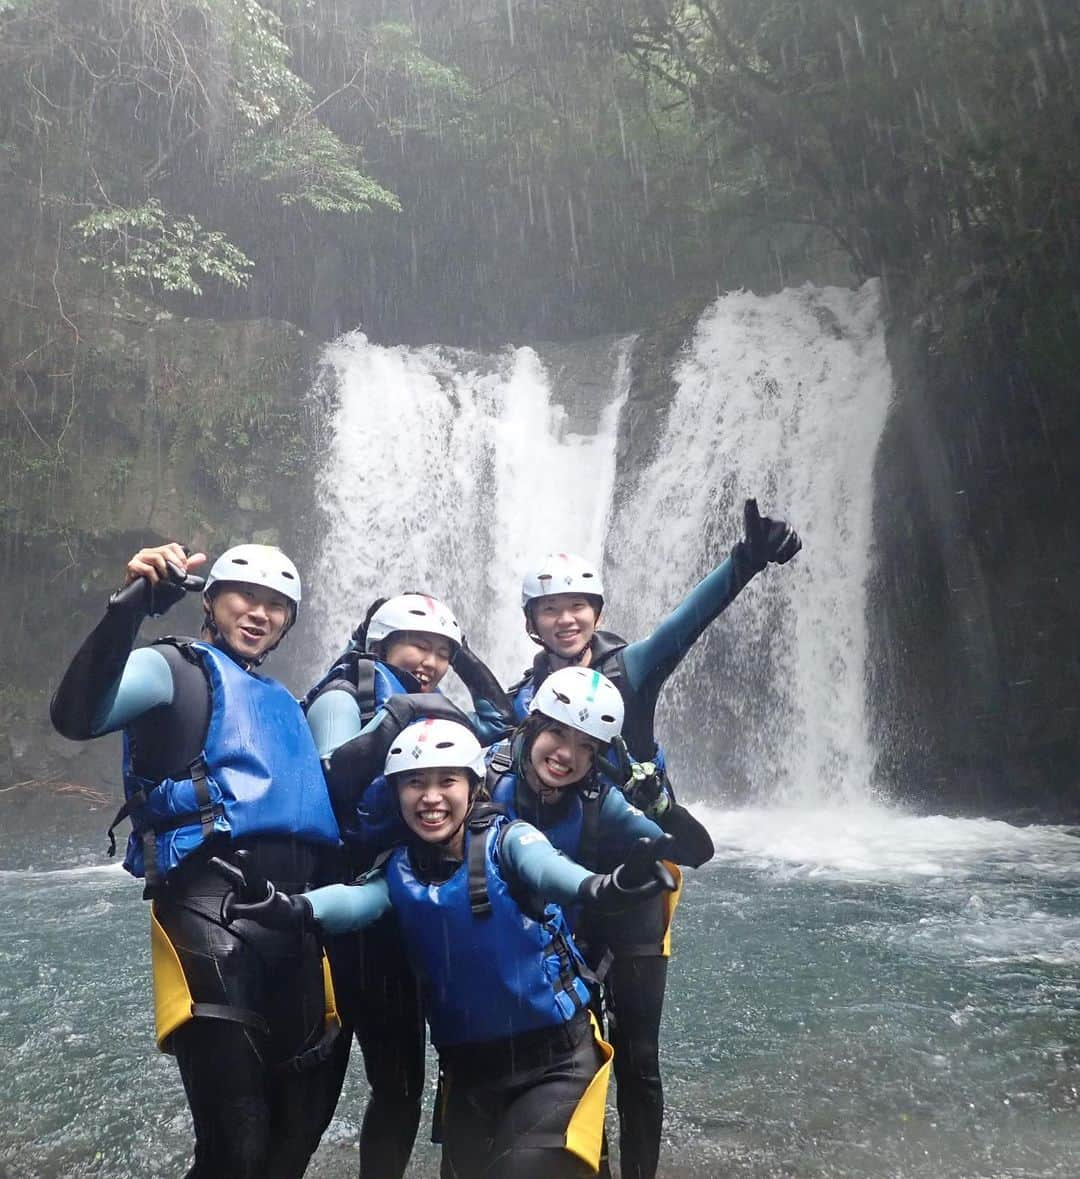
(562, 599)
(550, 774)
(405, 646)
(478, 898)
(219, 761)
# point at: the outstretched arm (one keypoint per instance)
(622, 825)
(650, 661)
(533, 863)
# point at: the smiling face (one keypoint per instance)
(250, 619)
(560, 757)
(423, 655)
(434, 803)
(564, 622)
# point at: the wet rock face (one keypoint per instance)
(976, 600)
(122, 424)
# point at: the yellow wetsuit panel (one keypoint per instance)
(172, 997)
(671, 900)
(330, 1011)
(585, 1133)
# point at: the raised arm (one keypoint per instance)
(107, 685)
(650, 661)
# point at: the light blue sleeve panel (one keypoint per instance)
(622, 825)
(334, 718)
(531, 861)
(342, 908)
(650, 661)
(146, 683)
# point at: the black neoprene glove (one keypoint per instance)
(254, 898)
(640, 877)
(767, 541)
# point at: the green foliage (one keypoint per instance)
(307, 163)
(264, 87)
(148, 245)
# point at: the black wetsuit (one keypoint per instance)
(637, 976)
(377, 989)
(256, 1099)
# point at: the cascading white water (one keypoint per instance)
(784, 398)
(450, 471)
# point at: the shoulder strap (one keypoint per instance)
(589, 848)
(352, 672)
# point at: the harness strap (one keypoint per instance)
(137, 800)
(250, 1019)
(483, 816)
(479, 901)
(318, 1054)
(197, 769)
(501, 758)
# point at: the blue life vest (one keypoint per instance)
(491, 970)
(564, 831)
(607, 649)
(258, 774)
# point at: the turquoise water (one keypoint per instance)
(854, 994)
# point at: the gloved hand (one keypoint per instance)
(767, 540)
(646, 789)
(254, 898)
(157, 597)
(638, 878)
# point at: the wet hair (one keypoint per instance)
(526, 733)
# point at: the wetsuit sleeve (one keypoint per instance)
(341, 908)
(107, 685)
(650, 661)
(334, 718)
(533, 864)
(693, 844)
(494, 712)
(622, 825)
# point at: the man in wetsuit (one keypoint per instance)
(562, 599)
(218, 760)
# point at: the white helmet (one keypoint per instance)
(257, 564)
(435, 743)
(562, 573)
(412, 612)
(583, 699)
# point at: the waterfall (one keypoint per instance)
(784, 398)
(451, 471)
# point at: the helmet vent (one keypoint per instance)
(286, 573)
(586, 574)
(240, 560)
(444, 744)
(605, 716)
(396, 749)
(560, 696)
